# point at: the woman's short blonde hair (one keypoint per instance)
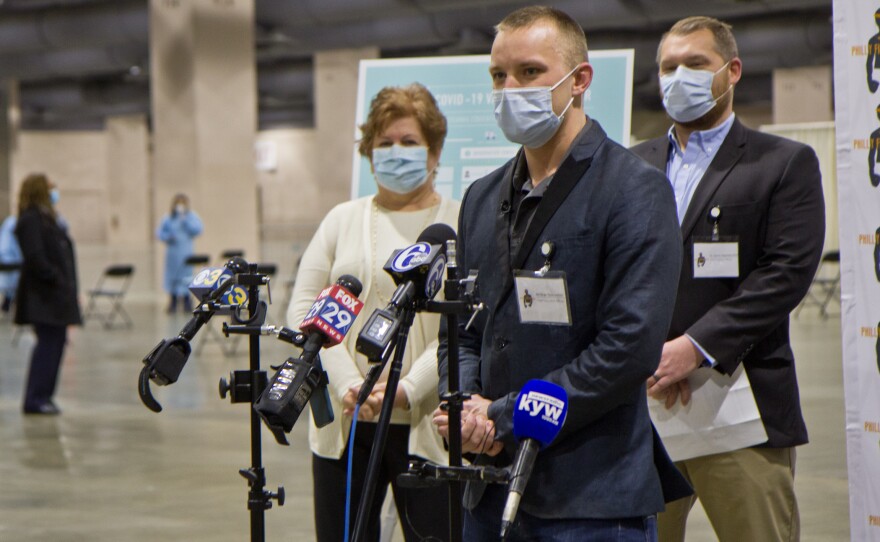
(393, 103)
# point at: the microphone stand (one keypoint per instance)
(407, 316)
(421, 473)
(453, 400)
(245, 386)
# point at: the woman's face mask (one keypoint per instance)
(525, 114)
(400, 169)
(687, 93)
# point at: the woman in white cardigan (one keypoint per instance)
(402, 138)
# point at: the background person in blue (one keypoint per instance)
(177, 231)
(10, 253)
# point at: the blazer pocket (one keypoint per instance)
(739, 209)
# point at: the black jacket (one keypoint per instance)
(769, 190)
(47, 290)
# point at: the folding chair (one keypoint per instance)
(112, 285)
(825, 285)
(194, 260)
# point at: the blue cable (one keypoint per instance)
(354, 418)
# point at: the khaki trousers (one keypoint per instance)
(747, 494)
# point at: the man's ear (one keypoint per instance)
(583, 78)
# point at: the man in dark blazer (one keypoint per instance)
(604, 224)
(761, 197)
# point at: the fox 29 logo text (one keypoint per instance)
(333, 313)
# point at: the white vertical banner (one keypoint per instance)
(857, 116)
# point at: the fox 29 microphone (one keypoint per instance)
(537, 418)
(303, 379)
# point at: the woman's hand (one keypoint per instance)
(373, 405)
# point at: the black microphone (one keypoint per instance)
(418, 270)
(537, 418)
(422, 263)
(297, 380)
(164, 363)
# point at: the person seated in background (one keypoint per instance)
(177, 230)
(402, 138)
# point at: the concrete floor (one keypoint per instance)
(109, 470)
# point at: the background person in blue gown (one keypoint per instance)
(177, 230)
(10, 253)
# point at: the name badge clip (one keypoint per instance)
(715, 218)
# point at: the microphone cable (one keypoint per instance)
(354, 420)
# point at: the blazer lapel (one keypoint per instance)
(728, 155)
(569, 173)
(503, 215)
(567, 176)
(659, 154)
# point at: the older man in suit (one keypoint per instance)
(603, 222)
(756, 200)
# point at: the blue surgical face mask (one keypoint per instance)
(400, 169)
(687, 93)
(525, 114)
(54, 196)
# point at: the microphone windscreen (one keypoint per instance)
(209, 281)
(437, 234)
(351, 283)
(540, 411)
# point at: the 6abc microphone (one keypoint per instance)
(418, 270)
(303, 380)
(217, 292)
(538, 417)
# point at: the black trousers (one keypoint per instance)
(45, 363)
(423, 512)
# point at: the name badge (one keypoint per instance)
(716, 259)
(542, 298)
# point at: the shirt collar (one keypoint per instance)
(707, 141)
(521, 181)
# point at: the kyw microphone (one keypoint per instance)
(296, 382)
(537, 418)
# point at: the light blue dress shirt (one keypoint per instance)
(685, 168)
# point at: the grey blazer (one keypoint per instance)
(612, 220)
